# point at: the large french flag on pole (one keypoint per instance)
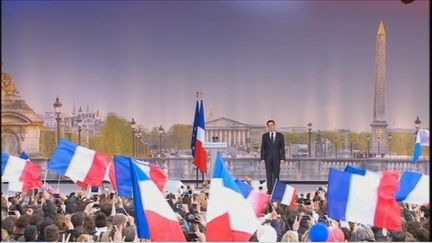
(194, 129)
(230, 217)
(124, 181)
(414, 188)
(79, 163)
(200, 152)
(422, 139)
(156, 220)
(22, 174)
(284, 194)
(366, 199)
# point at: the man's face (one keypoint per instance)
(271, 127)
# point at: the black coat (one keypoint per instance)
(272, 151)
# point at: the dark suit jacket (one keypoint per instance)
(273, 151)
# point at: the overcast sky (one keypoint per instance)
(292, 61)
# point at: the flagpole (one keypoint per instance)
(196, 167)
(196, 177)
(202, 173)
(46, 172)
(271, 195)
(58, 183)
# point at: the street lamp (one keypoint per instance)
(133, 124)
(379, 141)
(319, 144)
(417, 123)
(289, 150)
(57, 109)
(390, 138)
(142, 146)
(79, 121)
(336, 147)
(325, 147)
(309, 127)
(368, 138)
(161, 131)
(138, 137)
(351, 147)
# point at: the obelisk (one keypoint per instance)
(379, 144)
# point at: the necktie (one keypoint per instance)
(272, 137)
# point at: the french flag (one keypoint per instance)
(230, 217)
(285, 194)
(194, 129)
(355, 170)
(200, 152)
(79, 163)
(157, 220)
(259, 200)
(414, 188)
(31, 175)
(124, 181)
(22, 174)
(110, 175)
(422, 139)
(367, 199)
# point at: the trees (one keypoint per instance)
(179, 136)
(115, 136)
(47, 142)
(402, 143)
(296, 138)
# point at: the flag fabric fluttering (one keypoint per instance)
(414, 188)
(422, 139)
(259, 200)
(110, 175)
(367, 199)
(284, 194)
(355, 170)
(230, 217)
(12, 167)
(157, 220)
(21, 174)
(79, 163)
(31, 174)
(124, 181)
(194, 130)
(24, 155)
(200, 152)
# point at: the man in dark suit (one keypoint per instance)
(272, 153)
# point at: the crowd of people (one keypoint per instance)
(86, 217)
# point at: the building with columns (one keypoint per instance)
(234, 133)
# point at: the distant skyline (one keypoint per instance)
(291, 61)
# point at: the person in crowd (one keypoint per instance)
(51, 233)
(30, 233)
(272, 154)
(79, 217)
